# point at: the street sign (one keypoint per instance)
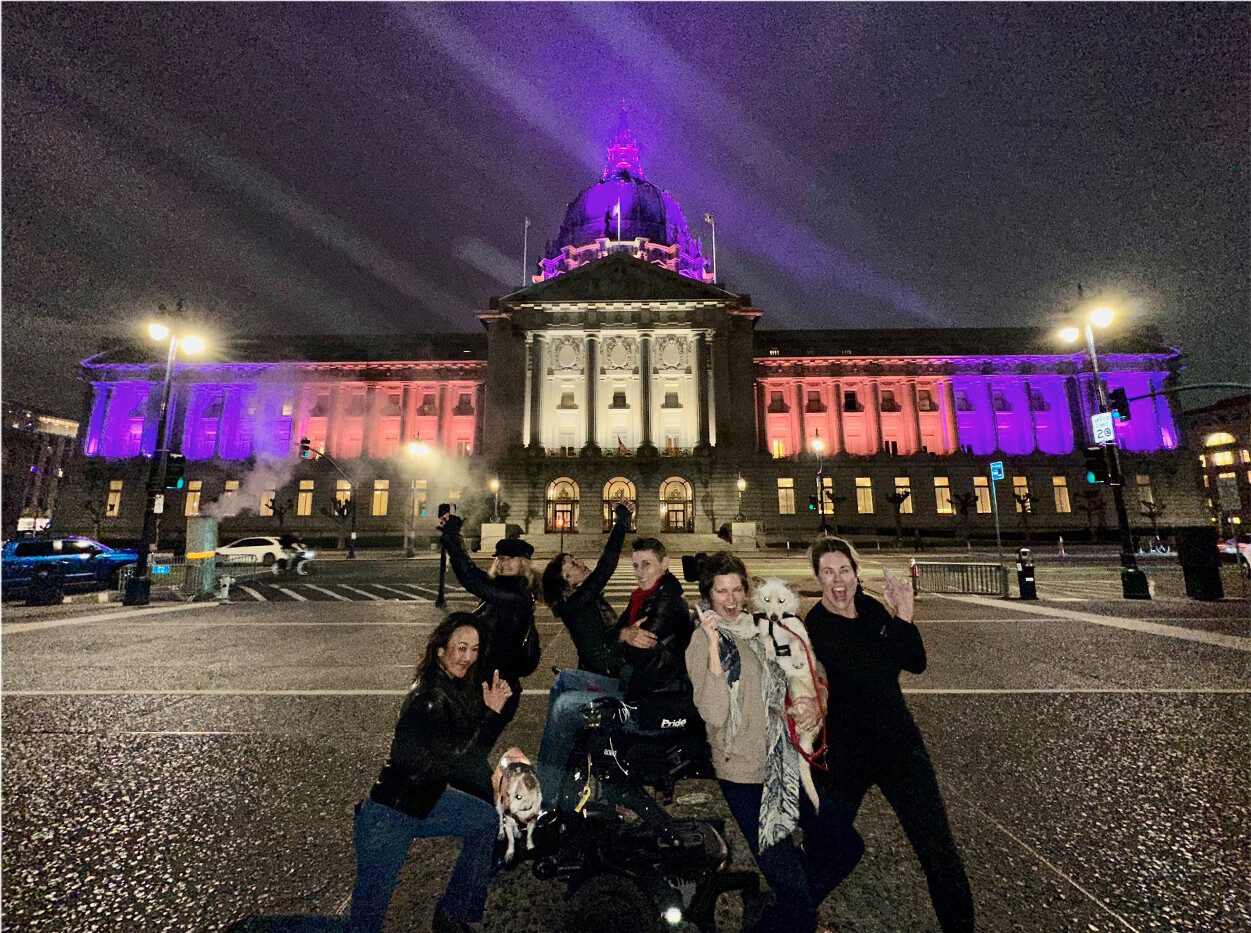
(160, 570)
(1101, 425)
(996, 469)
(158, 504)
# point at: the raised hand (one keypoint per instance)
(496, 694)
(807, 714)
(897, 595)
(638, 637)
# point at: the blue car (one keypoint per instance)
(86, 563)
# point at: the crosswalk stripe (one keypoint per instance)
(362, 592)
(391, 589)
(292, 593)
(322, 589)
(255, 595)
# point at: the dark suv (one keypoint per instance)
(84, 562)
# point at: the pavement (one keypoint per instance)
(187, 766)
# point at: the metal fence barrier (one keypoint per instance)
(969, 579)
(181, 579)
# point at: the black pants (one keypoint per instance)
(906, 779)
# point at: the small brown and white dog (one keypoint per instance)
(518, 799)
(786, 641)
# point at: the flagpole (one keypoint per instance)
(618, 220)
(525, 249)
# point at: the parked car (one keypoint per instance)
(85, 562)
(263, 550)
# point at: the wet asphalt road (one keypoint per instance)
(186, 769)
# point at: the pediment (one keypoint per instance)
(619, 277)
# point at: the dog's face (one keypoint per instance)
(525, 798)
(773, 599)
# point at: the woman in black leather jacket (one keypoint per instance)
(510, 641)
(443, 718)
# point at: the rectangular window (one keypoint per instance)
(464, 448)
(192, 506)
(851, 403)
(421, 496)
(891, 447)
(779, 448)
(864, 495)
(1145, 494)
(1020, 490)
(382, 496)
(1223, 458)
(786, 496)
(304, 502)
(113, 506)
(925, 400)
(453, 495)
(942, 496)
(904, 484)
(1060, 488)
(267, 502)
(288, 407)
(231, 490)
(981, 487)
(827, 493)
(1227, 491)
(342, 491)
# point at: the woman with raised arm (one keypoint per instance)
(871, 737)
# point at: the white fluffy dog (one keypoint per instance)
(518, 799)
(786, 640)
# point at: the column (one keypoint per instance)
(479, 416)
(992, 416)
(875, 415)
(304, 397)
(99, 403)
(951, 424)
(645, 392)
(536, 391)
(762, 417)
(334, 420)
(408, 404)
(840, 436)
(799, 417)
(444, 415)
(591, 447)
(1154, 385)
(1073, 399)
(228, 423)
(1033, 418)
(369, 427)
(914, 405)
(701, 375)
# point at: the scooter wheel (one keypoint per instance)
(611, 904)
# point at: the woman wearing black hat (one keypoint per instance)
(510, 641)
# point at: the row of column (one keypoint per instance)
(536, 363)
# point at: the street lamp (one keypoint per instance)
(741, 485)
(1133, 581)
(419, 450)
(494, 486)
(139, 586)
(818, 448)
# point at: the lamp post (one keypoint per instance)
(417, 449)
(1133, 581)
(139, 587)
(494, 486)
(741, 485)
(818, 448)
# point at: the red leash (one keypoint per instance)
(819, 752)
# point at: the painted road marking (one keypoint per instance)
(322, 589)
(16, 628)
(353, 589)
(391, 589)
(1237, 642)
(292, 593)
(254, 594)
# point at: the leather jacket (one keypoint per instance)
(590, 619)
(439, 726)
(661, 668)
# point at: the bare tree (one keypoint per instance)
(1090, 501)
(341, 512)
(897, 499)
(965, 503)
(1026, 501)
(281, 510)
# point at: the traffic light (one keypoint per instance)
(1118, 400)
(305, 448)
(1097, 470)
(175, 470)
(812, 503)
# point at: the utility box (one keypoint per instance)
(201, 554)
(1025, 574)
(1200, 563)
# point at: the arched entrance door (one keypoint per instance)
(618, 489)
(562, 506)
(677, 506)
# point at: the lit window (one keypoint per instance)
(421, 497)
(1223, 458)
(1227, 491)
(113, 507)
(1219, 438)
(786, 496)
(288, 407)
(231, 490)
(464, 447)
(1060, 488)
(267, 502)
(827, 491)
(981, 488)
(1246, 456)
(382, 495)
(904, 484)
(942, 496)
(453, 495)
(192, 506)
(779, 448)
(1203, 461)
(304, 502)
(1020, 491)
(342, 491)
(864, 495)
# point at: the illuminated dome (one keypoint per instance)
(623, 212)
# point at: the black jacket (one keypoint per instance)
(591, 621)
(439, 727)
(868, 721)
(510, 642)
(661, 668)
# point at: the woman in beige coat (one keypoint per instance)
(741, 695)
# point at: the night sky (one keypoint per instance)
(366, 168)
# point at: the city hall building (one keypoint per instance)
(624, 371)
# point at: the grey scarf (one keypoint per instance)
(779, 802)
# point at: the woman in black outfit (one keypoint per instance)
(442, 719)
(510, 642)
(871, 736)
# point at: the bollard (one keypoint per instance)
(1062, 554)
(1025, 574)
(223, 588)
(915, 572)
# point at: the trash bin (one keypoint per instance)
(1025, 574)
(1200, 562)
(47, 586)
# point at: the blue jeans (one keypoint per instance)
(383, 836)
(800, 878)
(572, 690)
